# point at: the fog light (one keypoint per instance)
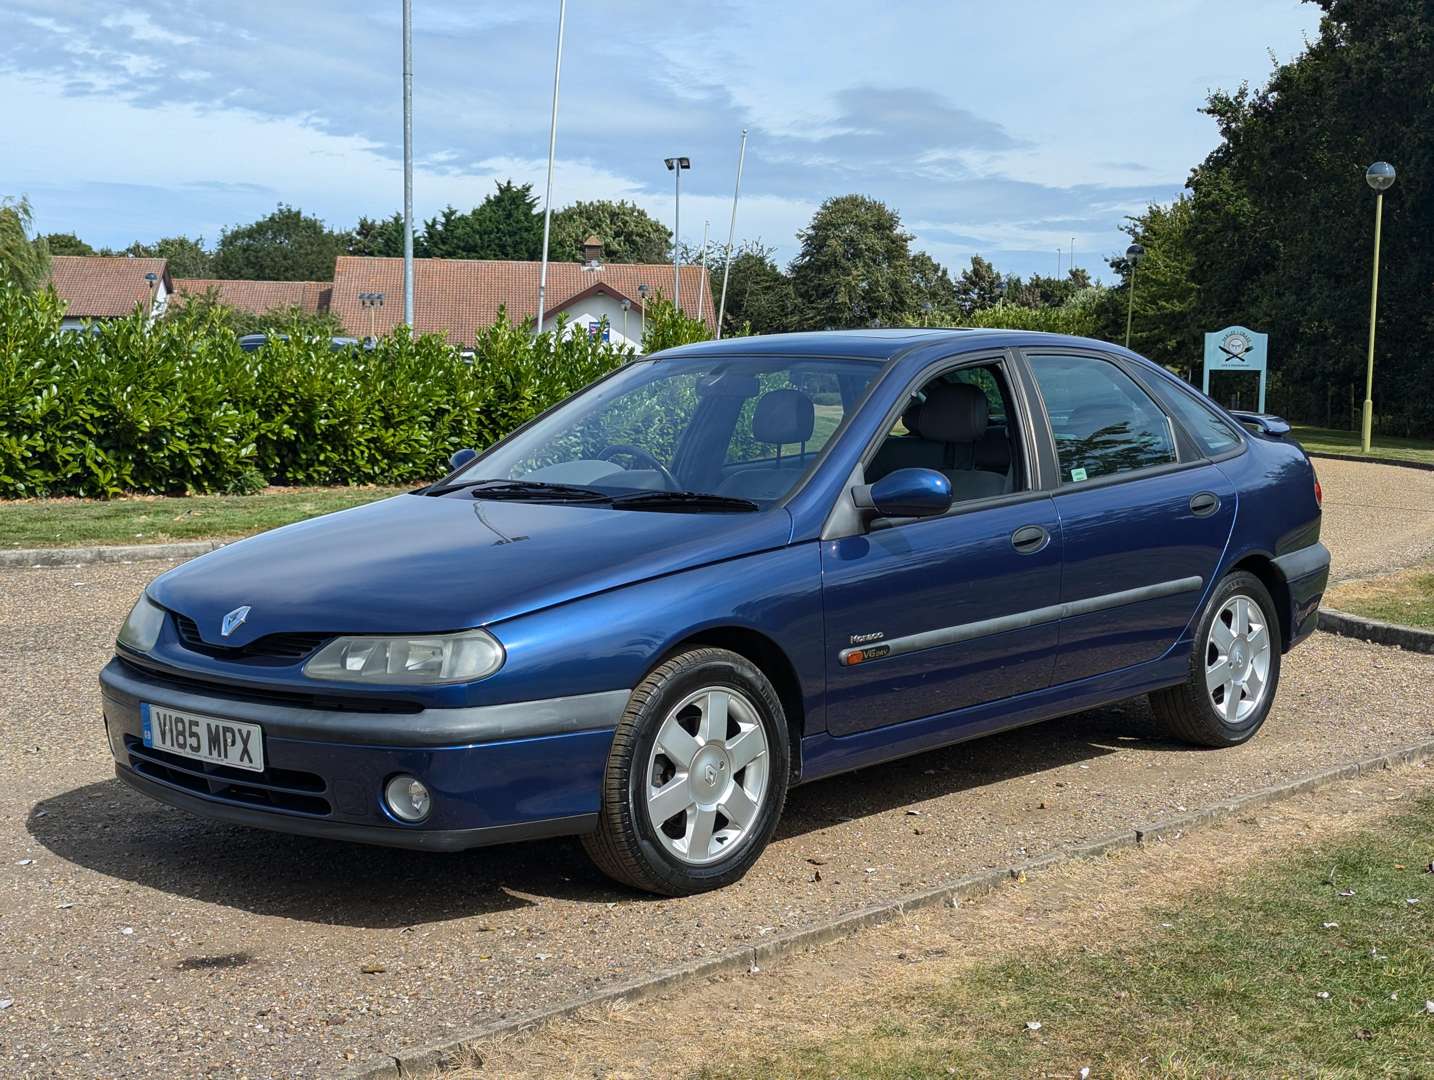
(407, 798)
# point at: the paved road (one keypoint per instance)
(135, 940)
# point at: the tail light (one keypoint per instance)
(1319, 494)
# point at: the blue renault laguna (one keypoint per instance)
(721, 571)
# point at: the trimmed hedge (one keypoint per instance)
(179, 407)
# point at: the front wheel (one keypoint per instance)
(1234, 668)
(696, 778)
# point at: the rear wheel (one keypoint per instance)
(696, 778)
(1234, 668)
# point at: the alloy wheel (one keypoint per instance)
(707, 775)
(1237, 659)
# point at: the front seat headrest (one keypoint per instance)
(911, 418)
(783, 416)
(953, 412)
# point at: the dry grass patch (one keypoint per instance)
(1203, 957)
(1406, 598)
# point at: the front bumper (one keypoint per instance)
(1306, 573)
(496, 773)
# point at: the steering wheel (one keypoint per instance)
(643, 458)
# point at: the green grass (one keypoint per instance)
(1228, 984)
(34, 523)
(1332, 441)
(1406, 598)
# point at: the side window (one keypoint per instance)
(1103, 422)
(1205, 425)
(957, 424)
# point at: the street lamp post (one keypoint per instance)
(675, 165)
(1379, 176)
(1133, 255)
(642, 291)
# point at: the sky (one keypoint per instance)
(1006, 130)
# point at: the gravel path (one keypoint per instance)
(1377, 517)
(138, 941)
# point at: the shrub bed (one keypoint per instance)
(179, 407)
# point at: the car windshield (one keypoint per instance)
(744, 430)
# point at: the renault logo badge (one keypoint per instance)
(234, 620)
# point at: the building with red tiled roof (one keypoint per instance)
(458, 297)
(259, 297)
(109, 286)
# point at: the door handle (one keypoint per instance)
(1029, 539)
(1204, 504)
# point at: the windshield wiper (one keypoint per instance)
(682, 500)
(531, 490)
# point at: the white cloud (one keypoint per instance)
(141, 27)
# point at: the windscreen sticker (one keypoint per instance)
(1077, 474)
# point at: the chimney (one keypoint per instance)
(592, 253)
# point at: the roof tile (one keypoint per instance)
(457, 297)
(104, 286)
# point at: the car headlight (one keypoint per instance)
(141, 630)
(437, 658)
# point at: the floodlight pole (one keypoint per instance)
(552, 151)
(408, 165)
(731, 233)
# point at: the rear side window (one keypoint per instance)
(1205, 425)
(1104, 423)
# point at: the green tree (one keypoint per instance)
(1282, 233)
(854, 266)
(379, 237)
(629, 234)
(509, 225)
(936, 292)
(66, 244)
(188, 258)
(980, 286)
(23, 261)
(1166, 323)
(287, 245)
(759, 296)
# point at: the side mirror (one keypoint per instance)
(461, 458)
(911, 493)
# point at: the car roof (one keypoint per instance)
(883, 345)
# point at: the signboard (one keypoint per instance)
(1237, 349)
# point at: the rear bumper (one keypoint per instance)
(489, 792)
(1305, 573)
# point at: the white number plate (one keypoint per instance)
(204, 738)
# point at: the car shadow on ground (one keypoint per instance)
(108, 828)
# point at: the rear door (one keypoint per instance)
(1144, 515)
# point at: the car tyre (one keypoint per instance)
(1234, 668)
(696, 778)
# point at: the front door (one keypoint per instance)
(1144, 522)
(924, 617)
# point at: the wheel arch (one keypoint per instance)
(1263, 567)
(773, 661)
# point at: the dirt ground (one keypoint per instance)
(138, 941)
(823, 992)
